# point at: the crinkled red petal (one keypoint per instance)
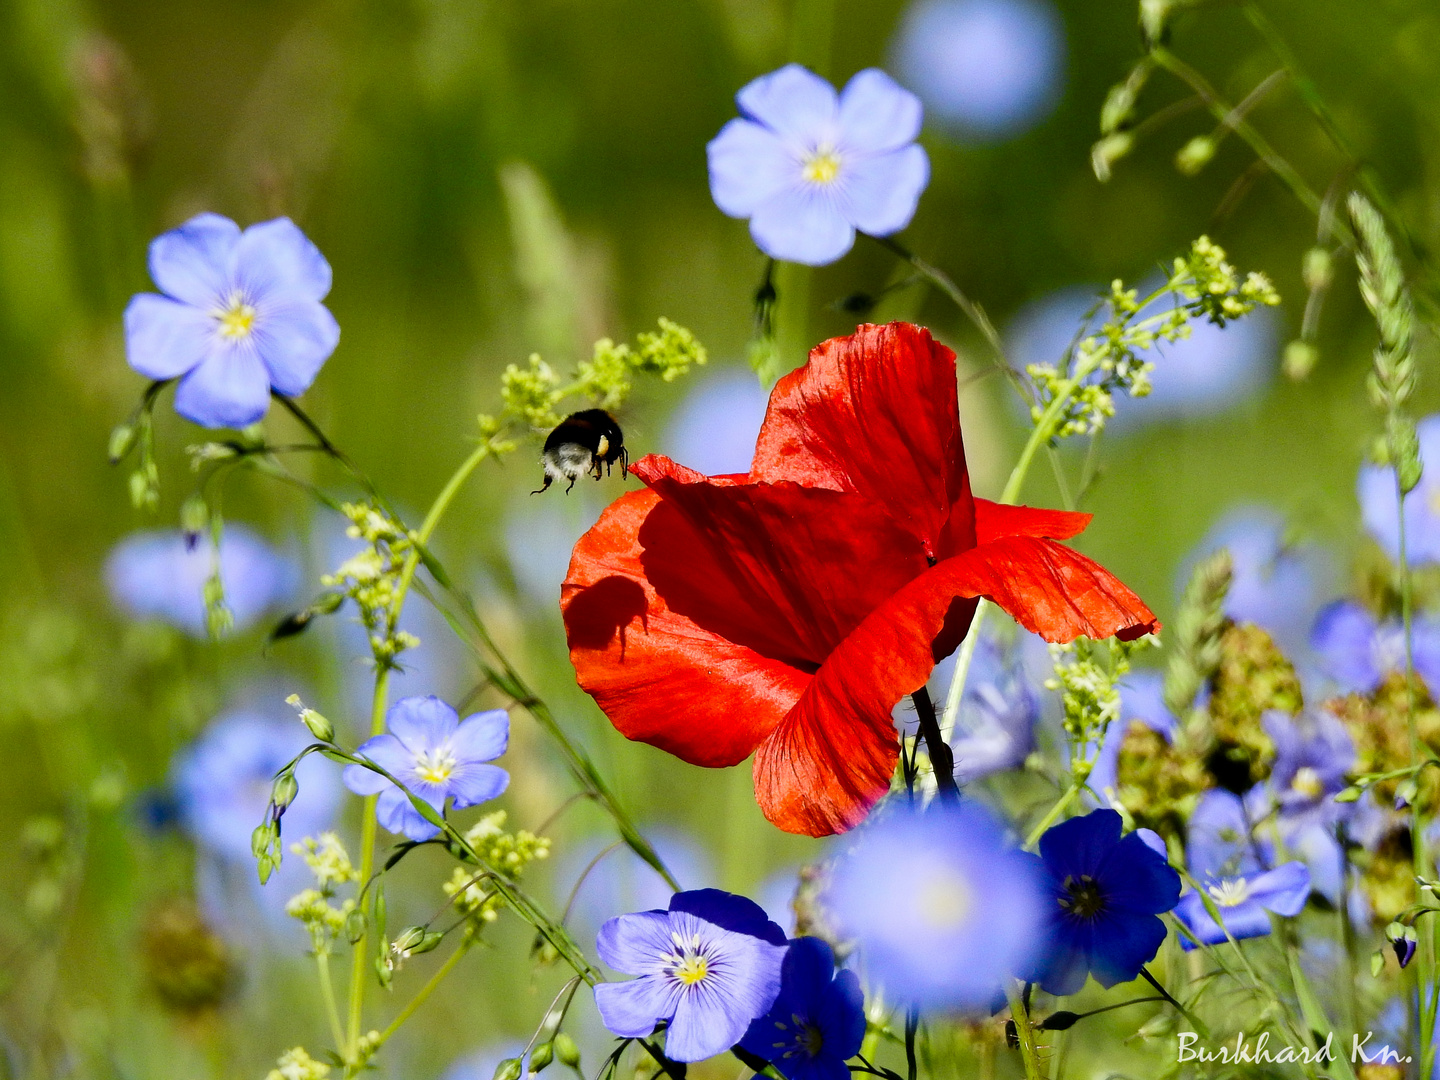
(833, 755)
(994, 520)
(785, 570)
(660, 677)
(876, 414)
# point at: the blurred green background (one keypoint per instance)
(421, 144)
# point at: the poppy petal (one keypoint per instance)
(832, 756)
(661, 678)
(772, 566)
(994, 520)
(877, 414)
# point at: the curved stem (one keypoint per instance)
(425, 991)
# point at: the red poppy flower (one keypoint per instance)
(786, 612)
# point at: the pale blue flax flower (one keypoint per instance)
(1244, 902)
(985, 69)
(238, 314)
(1357, 651)
(708, 967)
(941, 907)
(437, 756)
(161, 574)
(1380, 502)
(809, 167)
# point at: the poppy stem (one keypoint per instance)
(942, 761)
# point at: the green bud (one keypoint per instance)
(567, 1051)
(122, 441)
(283, 791)
(1120, 101)
(1107, 151)
(1405, 795)
(1317, 269)
(355, 926)
(1300, 360)
(319, 726)
(384, 971)
(509, 1069)
(414, 940)
(540, 1057)
(261, 839)
(1350, 794)
(1195, 155)
(194, 516)
(1377, 963)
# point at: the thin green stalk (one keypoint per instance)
(327, 991)
(367, 866)
(1025, 1033)
(425, 991)
(1053, 814)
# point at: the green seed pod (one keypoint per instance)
(122, 441)
(509, 1069)
(284, 790)
(1195, 155)
(540, 1057)
(567, 1051)
(1317, 269)
(355, 926)
(261, 839)
(1300, 360)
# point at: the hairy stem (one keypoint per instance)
(942, 760)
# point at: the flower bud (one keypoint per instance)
(283, 791)
(261, 839)
(319, 726)
(1109, 150)
(1405, 793)
(1059, 1021)
(1195, 155)
(1317, 269)
(355, 926)
(567, 1051)
(1300, 359)
(122, 441)
(1405, 946)
(414, 940)
(540, 1057)
(1350, 794)
(509, 1069)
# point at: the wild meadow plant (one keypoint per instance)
(1236, 831)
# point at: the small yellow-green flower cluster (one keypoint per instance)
(1107, 362)
(296, 1064)
(331, 865)
(1087, 673)
(510, 853)
(371, 577)
(531, 393)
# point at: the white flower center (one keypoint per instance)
(435, 766)
(687, 963)
(943, 901)
(1231, 892)
(236, 319)
(1308, 783)
(822, 166)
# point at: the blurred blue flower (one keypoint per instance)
(159, 574)
(621, 880)
(714, 429)
(776, 895)
(985, 69)
(817, 1023)
(1220, 836)
(941, 907)
(1108, 892)
(240, 315)
(995, 729)
(809, 168)
(481, 1064)
(1244, 903)
(1206, 373)
(1277, 584)
(710, 965)
(437, 756)
(1142, 699)
(1380, 504)
(1357, 651)
(222, 783)
(1313, 752)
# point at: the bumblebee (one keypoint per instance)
(584, 442)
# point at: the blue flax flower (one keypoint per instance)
(1380, 504)
(986, 69)
(1357, 651)
(995, 730)
(1220, 836)
(809, 167)
(817, 1023)
(161, 574)
(708, 967)
(941, 907)
(1244, 902)
(1107, 894)
(240, 314)
(1313, 752)
(1142, 701)
(437, 756)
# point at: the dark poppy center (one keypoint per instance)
(1082, 898)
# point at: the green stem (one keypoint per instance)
(1025, 1033)
(327, 991)
(425, 991)
(367, 865)
(1053, 814)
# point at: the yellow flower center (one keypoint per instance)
(1307, 782)
(1434, 500)
(943, 902)
(435, 768)
(822, 167)
(237, 320)
(1230, 893)
(688, 963)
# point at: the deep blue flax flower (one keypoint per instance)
(708, 967)
(437, 756)
(1107, 894)
(817, 1023)
(161, 574)
(240, 315)
(809, 167)
(941, 906)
